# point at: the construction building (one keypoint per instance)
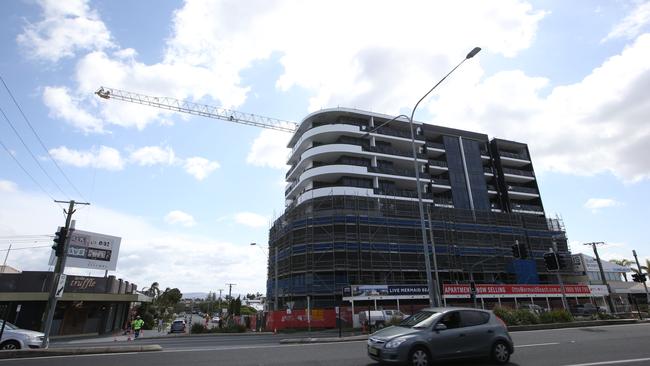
(352, 214)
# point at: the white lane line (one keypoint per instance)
(537, 344)
(611, 362)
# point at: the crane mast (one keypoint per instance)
(197, 109)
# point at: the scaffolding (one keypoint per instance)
(328, 243)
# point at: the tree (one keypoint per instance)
(152, 291)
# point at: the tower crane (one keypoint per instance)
(183, 106)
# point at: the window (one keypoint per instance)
(451, 320)
(472, 318)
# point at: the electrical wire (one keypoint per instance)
(26, 172)
(39, 139)
(38, 246)
(31, 153)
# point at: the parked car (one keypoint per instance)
(379, 318)
(178, 325)
(586, 309)
(215, 319)
(16, 338)
(434, 334)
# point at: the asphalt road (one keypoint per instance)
(592, 346)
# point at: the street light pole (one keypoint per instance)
(610, 303)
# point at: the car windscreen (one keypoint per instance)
(421, 319)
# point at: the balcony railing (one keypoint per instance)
(488, 169)
(491, 187)
(435, 145)
(396, 171)
(522, 189)
(518, 172)
(438, 163)
(513, 155)
(524, 207)
(485, 152)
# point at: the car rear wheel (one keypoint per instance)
(8, 345)
(419, 357)
(500, 353)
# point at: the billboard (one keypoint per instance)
(90, 250)
(386, 291)
(451, 291)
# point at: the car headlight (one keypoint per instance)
(395, 342)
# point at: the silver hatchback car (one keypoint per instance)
(440, 334)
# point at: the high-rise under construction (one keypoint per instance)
(352, 215)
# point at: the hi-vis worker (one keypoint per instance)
(137, 326)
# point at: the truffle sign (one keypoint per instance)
(91, 250)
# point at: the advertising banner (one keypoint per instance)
(385, 292)
(463, 290)
(91, 250)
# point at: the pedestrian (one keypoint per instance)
(160, 325)
(137, 326)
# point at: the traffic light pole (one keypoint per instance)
(647, 295)
(559, 278)
(58, 270)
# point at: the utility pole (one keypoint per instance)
(647, 295)
(4, 265)
(230, 285)
(610, 303)
(436, 285)
(58, 270)
(559, 277)
(220, 290)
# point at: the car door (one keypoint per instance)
(447, 343)
(476, 332)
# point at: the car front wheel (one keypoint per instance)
(500, 353)
(419, 357)
(9, 345)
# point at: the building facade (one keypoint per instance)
(352, 214)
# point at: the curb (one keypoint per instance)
(183, 335)
(514, 328)
(25, 353)
(324, 340)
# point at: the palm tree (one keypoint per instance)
(625, 263)
(152, 291)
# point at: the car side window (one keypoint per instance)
(470, 318)
(451, 320)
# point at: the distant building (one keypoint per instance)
(8, 269)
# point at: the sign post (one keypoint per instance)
(60, 286)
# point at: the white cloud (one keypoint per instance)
(596, 125)
(269, 149)
(632, 24)
(147, 253)
(199, 167)
(251, 219)
(66, 27)
(346, 65)
(180, 217)
(153, 155)
(8, 186)
(103, 158)
(62, 105)
(595, 204)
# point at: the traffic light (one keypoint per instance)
(59, 241)
(638, 277)
(516, 251)
(552, 261)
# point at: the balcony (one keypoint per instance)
(391, 151)
(440, 163)
(440, 181)
(488, 170)
(491, 187)
(397, 133)
(518, 176)
(506, 154)
(397, 171)
(522, 189)
(520, 207)
(435, 145)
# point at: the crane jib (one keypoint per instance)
(197, 109)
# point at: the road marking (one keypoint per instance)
(537, 344)
(610, 362)
(576, 328)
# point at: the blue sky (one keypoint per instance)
(188, 194)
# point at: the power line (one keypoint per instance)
(30, 151)
(26, 172)
(39, 139)
(39, 246)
